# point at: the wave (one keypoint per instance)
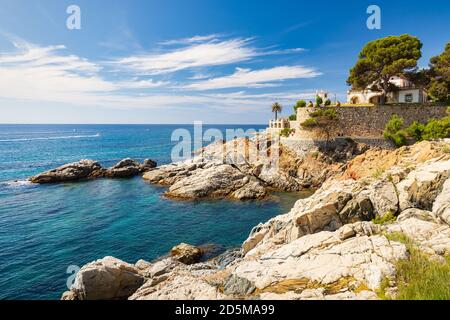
(51, 138)
(16, 184)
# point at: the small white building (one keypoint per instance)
(406, 92)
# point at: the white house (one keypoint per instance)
(406, 92)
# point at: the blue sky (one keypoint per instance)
(179, 61)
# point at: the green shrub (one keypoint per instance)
(310, 104)
(321, 119)
(327, 114)
(286, 132)
(309, 123)
(293, 117)
(389, 217)
(327, 102)
(300, 104)
(319, 101)
(437, 129)
(393, 131)
(415, 130)
(338, 104)
(399, 138)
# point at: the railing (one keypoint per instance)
(278, 124)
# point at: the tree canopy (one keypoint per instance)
(381, 59)
(439, 84)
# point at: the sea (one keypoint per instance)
(48, 231)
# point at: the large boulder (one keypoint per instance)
(105, 279)
(383, 196)
(359, 208)
(186, 282)
(216, 181)
(147, 165)
(422, 185)
(441, 206)
(125, 168)
(250, 191)
(321, 211)
(90, 169)
(80, 170)
(186, 253)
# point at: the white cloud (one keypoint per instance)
(141, 84)
(255, 78)
(194, 39)
(197, 55)
(196, 52)
(49, 74)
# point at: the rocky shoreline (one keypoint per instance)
(337, 244)
(90, 169)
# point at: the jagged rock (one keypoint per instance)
(179, 288)
(142, 265)
(186, 253)
(321, 211)
(383, 195)
(422, 185)
(147, 165)
(125, 168)
(251, 190)
(226, 258)
(106, 279)
(82, 169)
(218, 181)
(186, 282)
(441, 206)
(256, 236)
(237, 286)
(417, 214)
(69, 295)
(357, 209)
(324, 259)
(90, 169)
(161, 267)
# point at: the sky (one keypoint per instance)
(151, 61)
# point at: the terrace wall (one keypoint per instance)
(367, 122)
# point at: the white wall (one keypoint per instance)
(415, 96)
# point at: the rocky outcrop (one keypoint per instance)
(239, 170)
(186, 253)
(329, 246)
(90, 169)
(84, 169)
(105, 279)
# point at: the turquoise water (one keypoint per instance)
(45, 229)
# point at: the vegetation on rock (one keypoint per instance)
(322, 120)
(419, 277)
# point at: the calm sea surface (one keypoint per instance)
(45, 229)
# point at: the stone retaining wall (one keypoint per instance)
(367, 122)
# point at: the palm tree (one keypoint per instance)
(276, 107)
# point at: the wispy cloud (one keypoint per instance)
(197, 55)
(196, 52)
(255, 78)
(194, 39)
(51, 74)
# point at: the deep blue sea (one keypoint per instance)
(44, 229)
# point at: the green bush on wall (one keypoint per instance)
(432, 130)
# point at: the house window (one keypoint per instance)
(409, 97)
